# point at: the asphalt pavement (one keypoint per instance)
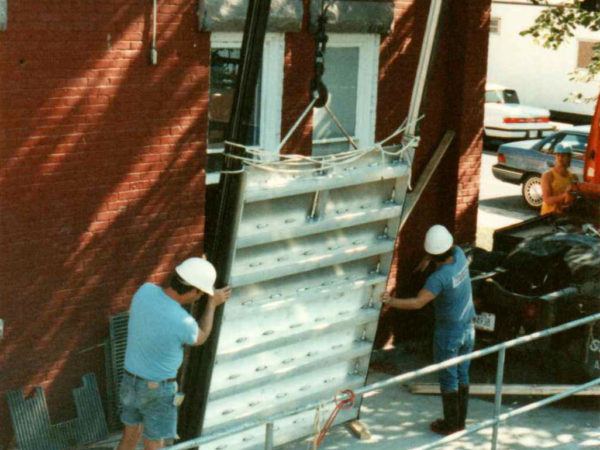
(500, 204)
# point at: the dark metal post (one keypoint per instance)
(198, 375)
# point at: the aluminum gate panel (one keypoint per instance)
(312, 256)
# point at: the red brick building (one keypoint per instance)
(104, 156)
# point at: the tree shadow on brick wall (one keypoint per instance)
(102, 179)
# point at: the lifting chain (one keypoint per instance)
(317, 86)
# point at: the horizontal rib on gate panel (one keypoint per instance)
(268, 186)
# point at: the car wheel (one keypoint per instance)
(532, 191)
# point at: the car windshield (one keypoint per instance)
(577, 143)
(510, 96)
(493, 97)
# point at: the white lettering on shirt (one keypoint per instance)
(460, 276)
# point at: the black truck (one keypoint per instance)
(541, 273)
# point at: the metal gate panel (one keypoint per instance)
(312, 257)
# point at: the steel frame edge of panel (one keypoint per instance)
(368, 174)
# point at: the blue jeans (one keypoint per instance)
(448, 343)
(154, 408)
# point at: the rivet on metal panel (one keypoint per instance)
(247, 302)
(221, 447)
(260, 226)
(327, 283)
(302, 289)
(253, 403)
(287, 361)
(333, 247)
(234, 376)
(319, 319)
(268, 332)
(305, 387)
(255, 264)
(227, 411)
(343, 313)
(277, 295)
(260, 368)
(358, 242)
(310, 354)
(307, 252)
(364, 206)
(247, 438)
(295, 325)
(341, 210)
(240, 340)
(289, 220)
(281, 258)
(329, 380)
(281, 395)
(336, 346)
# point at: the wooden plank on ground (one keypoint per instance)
(508, 389)
(359, 430)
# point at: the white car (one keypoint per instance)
(506, 119)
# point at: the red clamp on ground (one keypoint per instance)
(346, 403)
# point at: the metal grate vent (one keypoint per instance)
(115, 352)
(31, 420)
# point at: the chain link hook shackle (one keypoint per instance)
(317, 86)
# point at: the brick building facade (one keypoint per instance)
(103, 157)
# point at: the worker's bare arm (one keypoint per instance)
(205, 323)
(423, 297)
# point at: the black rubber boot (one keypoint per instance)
(463, 405)
(449, 424)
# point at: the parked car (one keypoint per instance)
(506, 119)
(524, 162)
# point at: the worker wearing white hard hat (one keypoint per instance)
(449, 287)
(158, 329)
(557, 182)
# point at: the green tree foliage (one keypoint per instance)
(556, 24)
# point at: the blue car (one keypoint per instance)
(524, 162)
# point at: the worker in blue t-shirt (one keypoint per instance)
(158, 329)
(449, 286)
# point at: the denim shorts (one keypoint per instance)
(153, 408)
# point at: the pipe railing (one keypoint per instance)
(268, 421)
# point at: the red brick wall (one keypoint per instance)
(102, 158)
(101, 177)
(454, 101)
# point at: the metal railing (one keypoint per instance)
(268, 421)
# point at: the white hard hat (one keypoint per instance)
(199, 273)
(438, 240)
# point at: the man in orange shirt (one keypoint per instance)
(557, 182)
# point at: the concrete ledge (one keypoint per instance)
(351, 16)
(230, 15)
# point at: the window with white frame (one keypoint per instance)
(351, 69)
(266, 115)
